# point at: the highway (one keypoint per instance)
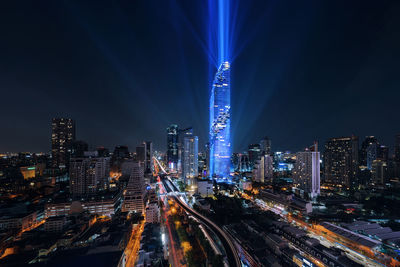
(230, 250)
(231, 253)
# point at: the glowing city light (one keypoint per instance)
(220, 106)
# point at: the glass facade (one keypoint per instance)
(220, 121)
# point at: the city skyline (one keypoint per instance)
(278, 73)
(215, 133)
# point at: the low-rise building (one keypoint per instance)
(152, 213)
(55, 224)
(205, 188)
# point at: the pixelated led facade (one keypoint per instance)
(220, 122)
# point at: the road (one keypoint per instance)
(231, 253)
(132, 248)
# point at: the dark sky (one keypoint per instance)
(125, 70)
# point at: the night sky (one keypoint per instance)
(125, 70)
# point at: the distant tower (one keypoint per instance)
(172, 147)
(149, 157)
(190, 164)
(220, 123)
(62, 137)
(254, 153)
(265, 144)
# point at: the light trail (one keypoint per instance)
(132, 248)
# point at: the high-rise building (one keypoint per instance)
(141, 154)
(306, 172)
(149, 157)
(63, 134)
(372, 154)
(172, 147)
(379, 172)
(254, 153)
(88, 174)
(268, 168)
(220, 123)
(341, 161)
(190, 162)
(120, 154)
(135, 191)
(258, 170)
(369, 140)
(265, 145)
(202, 164)
(383, 153)
(244, 163)
(187, 132)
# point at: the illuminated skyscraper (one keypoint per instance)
(341, 161)
(220, 123)
(306, 173)
(62, 137)
(172, 147)
(190, 163)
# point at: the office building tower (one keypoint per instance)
(379, 172)
(369, 140)
(265, 145)
(220, 123)
(341, 161)
(63, 134)
(268, 169)
(135, 191)
(244, 163)
(254, 153)
(258, 170)
(190, 161)
(306, 172)
(372, 154)
(149, 157)
(141, 154)
(172, 147)
(202, 164)
(383, 153)
(88, 174)
(188, 132)
(235, 161)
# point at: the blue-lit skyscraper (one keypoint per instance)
(220, 123)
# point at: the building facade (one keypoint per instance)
(88, 175)
(135, 191)
(62, 137)
(220, 123)
(190, 164)
(265, 144)
(341, 161)
(306, 172)
(172, 147)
